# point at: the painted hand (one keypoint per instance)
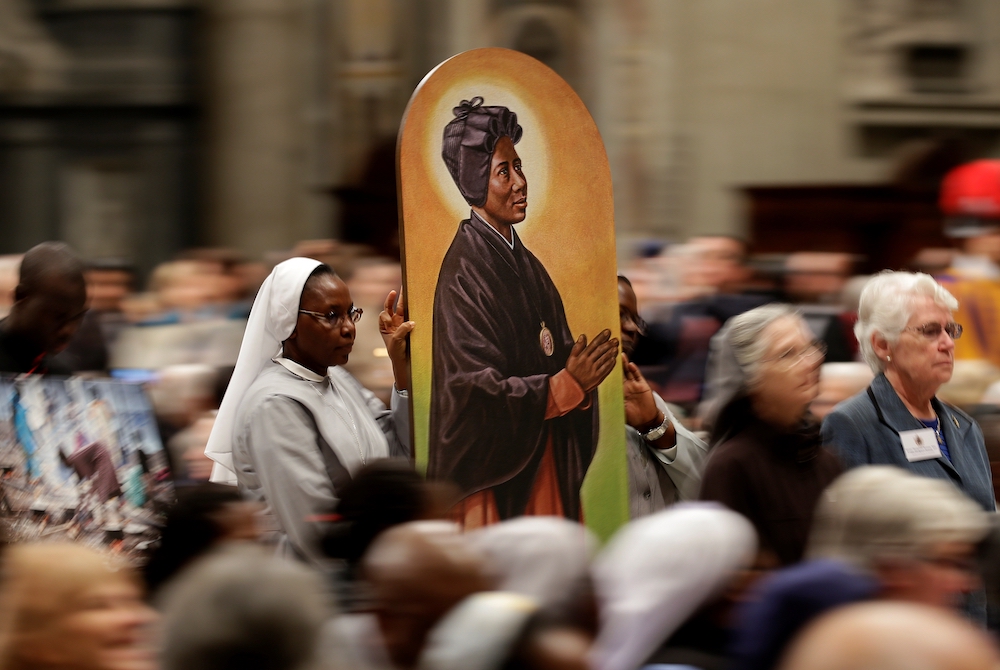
(590, 364)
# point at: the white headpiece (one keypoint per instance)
(272, 319)
(544, 557)
(657, 571)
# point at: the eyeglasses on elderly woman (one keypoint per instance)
(932, 331)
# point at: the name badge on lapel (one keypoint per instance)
(920, 445)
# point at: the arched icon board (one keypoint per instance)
(509, 257)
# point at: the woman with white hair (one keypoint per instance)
(767, 461)
(880, 533)
(907, 336)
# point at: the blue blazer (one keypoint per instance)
(864, 430)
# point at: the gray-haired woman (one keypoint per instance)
(907, 337)
(767, 461)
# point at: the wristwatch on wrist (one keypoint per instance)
(656, 432)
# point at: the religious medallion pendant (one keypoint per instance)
(545, 339)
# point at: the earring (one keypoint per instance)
(888, 358)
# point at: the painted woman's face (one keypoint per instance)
(507, 197)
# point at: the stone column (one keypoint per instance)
(255, 176)
(636, 112)
(372, 84)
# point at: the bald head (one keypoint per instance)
(415, 554)
(418, 571)
(50, 261)
(891, 636)
(50, 297)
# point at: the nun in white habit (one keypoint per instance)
(658, 571)
(294, 426)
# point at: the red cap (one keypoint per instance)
(972, 190)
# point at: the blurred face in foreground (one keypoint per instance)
(73, 609)
(416, 580)
(940, 579)
(891, 636)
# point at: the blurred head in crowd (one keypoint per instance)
(917, 535)
(187, 450)
(203, 517)
(9, 266)
(372, 280)
(986, 243)
(418, 572)
(892, 636)
(814, 277)
(715, 262)
(68, 606)
(243, 608)
(932, 260)
(381, 495)
(108, 284)
(189, 284)
(632, 326)
(837, 383)
(546, 558)
(770, 356)
(905, 329)
(50, 298)
(182, 393)
(659, 570)
(969, 382)
(850, 295)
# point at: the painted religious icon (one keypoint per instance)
(516, 374)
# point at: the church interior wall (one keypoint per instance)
(254, 132)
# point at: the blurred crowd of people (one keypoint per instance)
(681, 588)
(811, 460)
(181, 335)
(764, 553)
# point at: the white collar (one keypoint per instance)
(296, 369)
(490, 226)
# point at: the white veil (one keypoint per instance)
(659, 570)
(272, 320)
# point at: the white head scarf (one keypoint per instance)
(272, 320)
(657, 571)
(544, 557)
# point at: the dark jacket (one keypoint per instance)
(865, 431)
(19, 355)
(772, 477)
(783, 603)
